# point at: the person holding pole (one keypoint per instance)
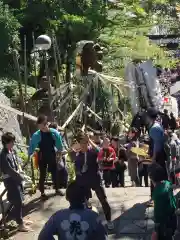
(88, 174)
(47, 140)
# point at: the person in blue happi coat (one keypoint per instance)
(48, 140)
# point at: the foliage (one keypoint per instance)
(9, 27)
(125, 35)
(23, 156)
(69, 20)
(70, 169)
(10, 88)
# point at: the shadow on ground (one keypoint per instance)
(33, 205)
(134, 223)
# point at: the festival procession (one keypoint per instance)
(85, 134)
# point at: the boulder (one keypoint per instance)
(9, 123)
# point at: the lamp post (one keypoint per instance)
(43, 44)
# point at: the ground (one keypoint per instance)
(132, 218)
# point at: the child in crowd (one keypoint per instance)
(97, 139)
(120, 165)
(164, 204)
(107, 157)
(75, 222)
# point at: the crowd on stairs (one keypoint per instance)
(100, 162)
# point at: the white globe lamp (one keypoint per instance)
(43, 43)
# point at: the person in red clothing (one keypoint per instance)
(107, 156)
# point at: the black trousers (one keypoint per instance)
(15, 197)
(96, 185)
(161, 160)
(101, 195)
(167, 230)
(45, 167)
(143, 172)
(62, 178)
(120, 177)
(109, 177)
(120, 169)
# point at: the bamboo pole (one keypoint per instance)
(22, 114)
(72, 115)
(112, 100)
(95, 114)
(65, 99)
(49, 85)
(57, 93)
(30, 117)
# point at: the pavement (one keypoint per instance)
(132, 218)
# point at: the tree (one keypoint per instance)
(125, 35)
(9, 27)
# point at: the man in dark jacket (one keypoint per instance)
(165, 119)
(12, 179)
(49, 142)
(172, 122)
(88, 174)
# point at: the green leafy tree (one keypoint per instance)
(9, 28)
(125, 37)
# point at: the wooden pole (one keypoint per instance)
(49, 85)
(72, 115)
(35, 71)
(58, 53)
(16, 62)
(25, 69)
(56, 62)
(34, 60)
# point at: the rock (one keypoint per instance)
(9, 123)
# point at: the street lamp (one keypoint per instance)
(43, 44)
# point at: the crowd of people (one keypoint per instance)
(99, 160)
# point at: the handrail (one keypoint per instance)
(2, 194)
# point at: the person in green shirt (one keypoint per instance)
(164, 204)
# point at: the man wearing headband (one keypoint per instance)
(88, 174)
